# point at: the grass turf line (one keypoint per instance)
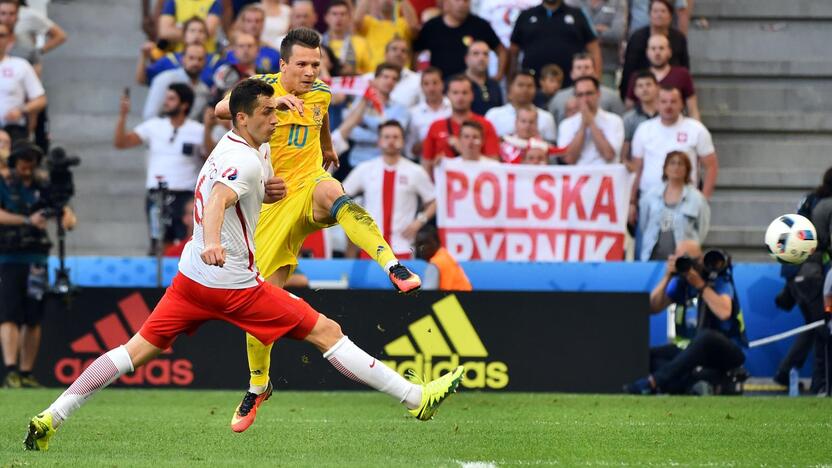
(191, 428)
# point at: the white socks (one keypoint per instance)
(357, 365)
(102, 372)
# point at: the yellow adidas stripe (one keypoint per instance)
(458, 328)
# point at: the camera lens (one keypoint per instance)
(683, 264)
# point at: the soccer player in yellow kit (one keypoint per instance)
(314, 199)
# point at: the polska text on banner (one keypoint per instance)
(532, 213)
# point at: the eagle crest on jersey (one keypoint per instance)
(296, 143)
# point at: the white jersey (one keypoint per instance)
(244, 170)
(391, 196)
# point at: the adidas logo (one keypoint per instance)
(113, 330)
(451, 338)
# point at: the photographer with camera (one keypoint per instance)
(709, 331)
(25, 206)
(174, 156)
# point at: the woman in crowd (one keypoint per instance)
(672, 212)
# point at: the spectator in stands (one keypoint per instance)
(153, 60)
(536, 156)
(711, 334)
(487, 92)
(448, 37)
(582, 65)
(609, 18)
(23, 47)
(193, 62)
(470, 143)
(805, 288)
(252, 20)
(669, 132)
(380, 21)
(593, 136)
(365, 135)
(513, 147)
(572, 106)
(521, 90)
(658, 52)
(442, 272)
(276, 22)
(553, 33)
(5, 150)
(672, 212)
(178, 245)
(502, 15)
(31, 25)
(394, 188)
(174, 155)
(244, 48)
(176, 12)
(639, 15)
(443, 136)
(352, 51)
(646, 90)
(303, 15)
(25, 244)
(432, 107)
(551, 80)
(635, 57)
(22, 93)
(407, 89)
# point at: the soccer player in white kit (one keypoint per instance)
(218, 279)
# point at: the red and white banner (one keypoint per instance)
(532, 213)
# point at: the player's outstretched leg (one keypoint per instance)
(421, 399)
(101, 373)
(260, 387)
(364, 232)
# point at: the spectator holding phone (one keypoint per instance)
(174, 155)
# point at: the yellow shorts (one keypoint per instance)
(283, 227)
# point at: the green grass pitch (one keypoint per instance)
(190, 428)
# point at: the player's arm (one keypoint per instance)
(329, 155)
(220, 199)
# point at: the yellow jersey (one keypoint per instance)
(296, 143)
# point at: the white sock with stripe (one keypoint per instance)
(359, 366)
(102, 372)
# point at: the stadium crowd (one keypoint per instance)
(575, 82)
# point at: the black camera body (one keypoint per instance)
(61, 184)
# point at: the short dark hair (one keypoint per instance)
(24, 150)
(551, 70)
(473, 124)
(194, 19)
(459, 77)
(645, 74)
(303, 37)
(670, 88)
(245, 94)
(185, 94)
(387, 66)
(666, 3)
(337, 3)
(431, 70)
(519, 73)
(582, 56)
(592, 79)
(391, 123)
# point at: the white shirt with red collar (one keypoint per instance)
(391, 195)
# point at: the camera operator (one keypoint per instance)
(710, 331)
(804, 287)
(174, 155)
(24, 248)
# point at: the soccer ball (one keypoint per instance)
(791, 238)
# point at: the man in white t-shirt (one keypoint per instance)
(432, 107)
(21, 92)
(407, 90)
(394, 188)
(592, 136)
(174, 156)
(521, 91)
(672, 131)
(218, 280)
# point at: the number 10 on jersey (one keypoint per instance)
(295, 138)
